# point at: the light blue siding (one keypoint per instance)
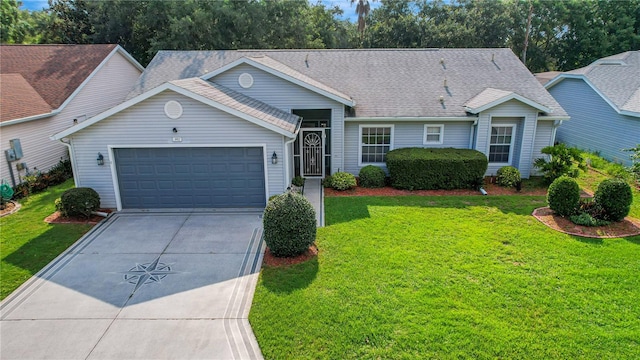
(594, 124)
(405, 134)
(527, 116)
(287, 96)
(145, 124)
(544, 138)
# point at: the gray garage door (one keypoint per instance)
(190, 177)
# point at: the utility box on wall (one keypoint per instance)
(10, 154)
(16, 147)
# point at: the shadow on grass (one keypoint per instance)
(290, 278)
(39, 251)
(633, 239)
(588, 240)
(346, 209)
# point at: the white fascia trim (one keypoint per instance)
(157, 90)
(128, 56)
(416, 119)
(512, 96)
(549, 117)
(29, 118)
(232, 111)
(340, 99)
(561, 77)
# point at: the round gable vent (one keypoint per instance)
(245, 80)
(173, 109)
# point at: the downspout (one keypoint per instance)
(72, 159)
(472, 134)
(556, 123)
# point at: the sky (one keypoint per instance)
(345, 5)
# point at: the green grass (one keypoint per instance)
(450, 277)
(27, 243)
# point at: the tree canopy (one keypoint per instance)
(559, 35)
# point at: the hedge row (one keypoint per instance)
(428, 168)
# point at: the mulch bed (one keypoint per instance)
(272, 261)
(492, 189)
(10, 207)
(57, 218)
(628, 227)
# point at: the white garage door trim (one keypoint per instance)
(114, 173)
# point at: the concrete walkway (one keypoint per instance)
(314, 192)
(167, 285)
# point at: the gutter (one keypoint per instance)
(30, 118)
(407, 118)
(72, 159)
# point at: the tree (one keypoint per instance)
(70, 22)
(362, 10)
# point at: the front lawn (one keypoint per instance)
(27, 243)
(450, 277)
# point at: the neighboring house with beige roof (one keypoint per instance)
(603, 100)
(231, 128)
(44, 89)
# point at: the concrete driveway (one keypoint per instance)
(161, 285)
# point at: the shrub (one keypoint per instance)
(289, 224)
(508, 176)
(343, 181)
(634, 169)
(586, 219)
(372, 177)
(429, 168)
(37, 181)
(564, 162)
(78, 202)
(564, 196)
(328, 180)
(298, 181)
(615, 197)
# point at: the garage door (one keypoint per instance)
(152, 178)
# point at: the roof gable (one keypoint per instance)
(490, 97)
(55, 72)
(615, 78)
(214, 95)
(384, 83)
(282, 71)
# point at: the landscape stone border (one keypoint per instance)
(541, 213)
(16, 207)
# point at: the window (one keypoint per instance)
(501, 143)
(375, 142)
(433, 134)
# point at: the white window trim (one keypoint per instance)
(424, 137)
(513, 127)
(360, 144)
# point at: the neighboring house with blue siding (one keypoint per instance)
(231, 128)
(46, 89)
(603, 100)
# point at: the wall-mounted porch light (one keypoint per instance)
(274, 158)
(100, 159)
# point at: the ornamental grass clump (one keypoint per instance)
(289, 224)
(564, 196)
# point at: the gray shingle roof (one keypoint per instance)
(240, 102)
(617, 77)
(382, 82)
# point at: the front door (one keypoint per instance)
(312, 151)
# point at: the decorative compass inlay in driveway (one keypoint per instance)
(148, 273)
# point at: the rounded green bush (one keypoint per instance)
(372, 177)
(508, 176)
(343, 181)
(289, 224)
(615, 197)
(78, 202)
(564, 196)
